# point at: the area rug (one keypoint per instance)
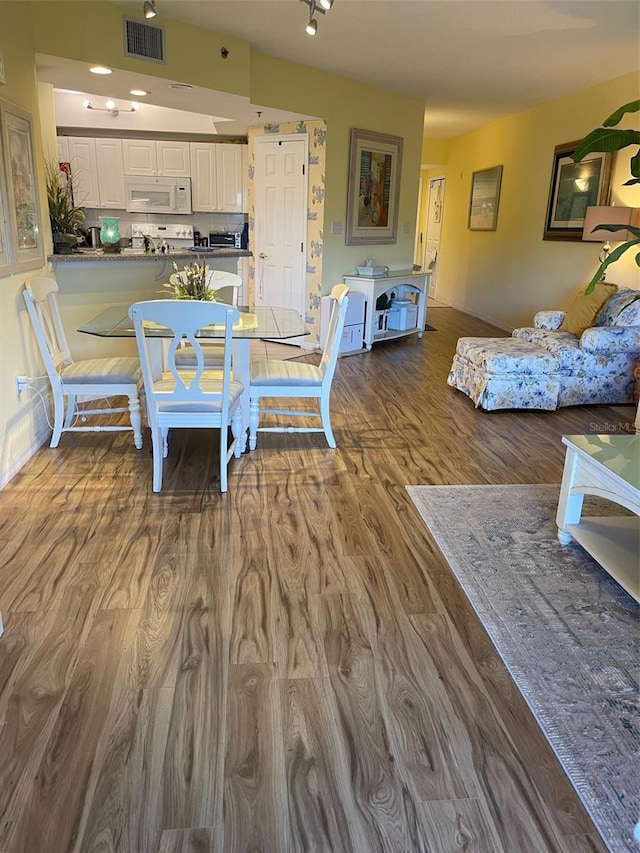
(567, 632)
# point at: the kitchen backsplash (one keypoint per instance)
(203, 222)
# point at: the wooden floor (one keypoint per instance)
(287, 667)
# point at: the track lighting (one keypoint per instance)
(149, 8)
(321, 6)
(111, 107)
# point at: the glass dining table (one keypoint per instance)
(259, 323)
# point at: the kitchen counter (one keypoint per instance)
(88, 255)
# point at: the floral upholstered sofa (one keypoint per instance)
(545, 366)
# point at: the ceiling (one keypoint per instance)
(471, 61)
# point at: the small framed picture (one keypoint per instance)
(485, 199)
(574, 188)
(373, 191)
(26, 238)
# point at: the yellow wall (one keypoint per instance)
(509, 274)
(344, 104)
(22, 421)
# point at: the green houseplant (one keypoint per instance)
(65, 217)
(192, 282)
(610, 138)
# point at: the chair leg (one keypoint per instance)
(165, 442)
(58, 416)
(136, 419)
(236, 431)
(254, 419)
(326, 421)
(71, 411)
(157, 442)
(224, 435)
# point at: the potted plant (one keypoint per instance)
(610, 138)
(65, 217)
(192, 282)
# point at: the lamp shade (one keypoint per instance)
(597, 216)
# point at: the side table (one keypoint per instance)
(607, 466)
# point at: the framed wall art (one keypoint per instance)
(6, 265)
(485, 199)
(25, 231)
(574, 188)
(373, 195)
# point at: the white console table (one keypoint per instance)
(607, 466)
(403, 283)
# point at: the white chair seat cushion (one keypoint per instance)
(101, 371)
(285, 373)
(211, 381)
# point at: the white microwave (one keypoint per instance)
(158, 195)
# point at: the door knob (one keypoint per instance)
(263, 255)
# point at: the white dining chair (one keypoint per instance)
(93, 378)
(227, 286)
(199, 398)
(277, 378)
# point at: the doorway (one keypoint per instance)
(430, 227)
(280, 186)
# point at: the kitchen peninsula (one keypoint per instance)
(91, 281)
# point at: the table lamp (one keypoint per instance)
(601, 215)
(110, 233)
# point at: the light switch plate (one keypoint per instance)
(2, 81)
(406, 227)
(336, 227)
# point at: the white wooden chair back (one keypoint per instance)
(41, 298)
(276, 378)
(73, 381)
(196, 397)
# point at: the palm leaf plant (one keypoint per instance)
(65, 217)
(610, 138)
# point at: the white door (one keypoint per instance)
(281, 221)
(433, 230)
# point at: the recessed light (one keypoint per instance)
(100, 69)
(180, 86)
(138, 93)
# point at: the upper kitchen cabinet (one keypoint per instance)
(169, 158)
(217, 177)
(96, 171)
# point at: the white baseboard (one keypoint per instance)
(42, 436)
(491, 320)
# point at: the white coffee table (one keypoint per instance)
(607, 466)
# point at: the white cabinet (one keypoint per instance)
(217, 177)
(84, 171)
(229, 178)
(404, 285)
(97, 172)
(353, 331)
(110, 173)
(63, 149)
(151, 157)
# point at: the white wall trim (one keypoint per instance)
(41, 438)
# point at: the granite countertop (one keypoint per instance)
(87, 255)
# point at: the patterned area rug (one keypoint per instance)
(568, 634)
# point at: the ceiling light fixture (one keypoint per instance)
(138, 93)
(321, 6)
(149, 8)
(111, 107)
(100, 69)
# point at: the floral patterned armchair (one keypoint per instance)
(544, 367)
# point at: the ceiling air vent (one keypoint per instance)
(143, 40)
